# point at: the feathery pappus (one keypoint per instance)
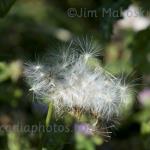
(69, 82)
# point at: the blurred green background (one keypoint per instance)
(29, 28)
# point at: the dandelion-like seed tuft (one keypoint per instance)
(70, 83)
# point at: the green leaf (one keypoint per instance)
(5, 5)
(145, 128)
(4, 72)
(97, 140)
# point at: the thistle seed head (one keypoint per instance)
(69, 82)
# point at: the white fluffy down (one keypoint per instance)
(68, 81)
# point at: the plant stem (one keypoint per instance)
(49, 114)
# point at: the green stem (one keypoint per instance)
(47, 122)
(49, 114)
